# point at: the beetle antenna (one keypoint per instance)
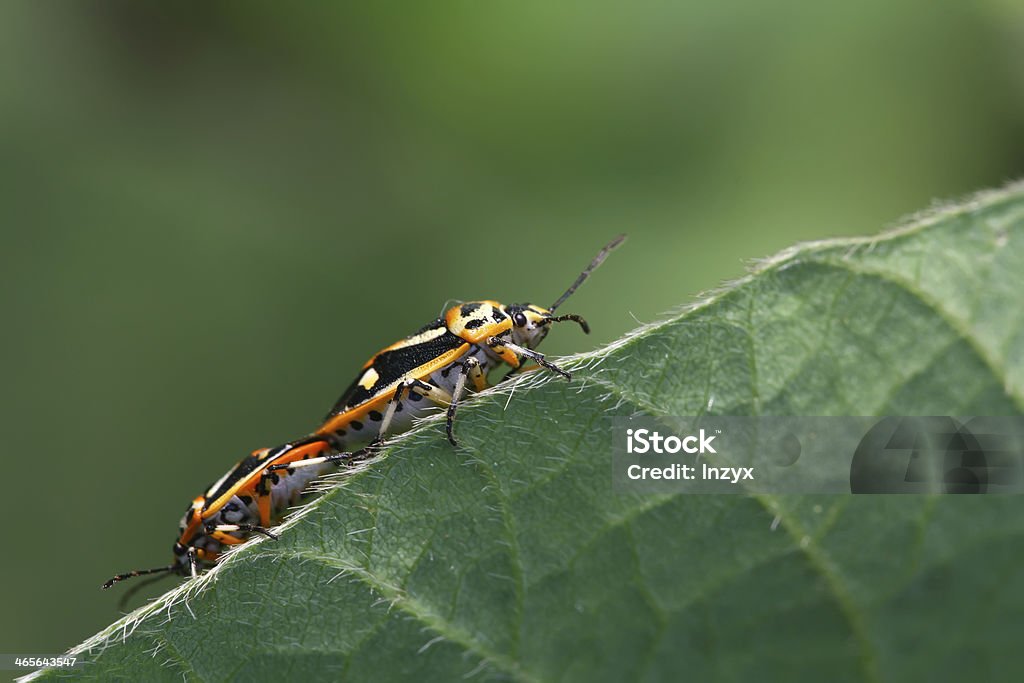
(601, 255)
(138, 572)
(568, 316)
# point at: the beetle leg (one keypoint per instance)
(432, 393)
(193, 561)
(468, 369)
(286, 457)
(336, 458)
(220, 532)
(495, 343)
(404, 389)
(476, 374)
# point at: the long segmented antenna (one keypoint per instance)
(138, 572)
(601, 255)
(578, 319)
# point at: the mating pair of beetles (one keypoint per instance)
(432, 368)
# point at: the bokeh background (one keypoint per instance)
(212, 215)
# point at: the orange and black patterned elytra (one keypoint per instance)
(246, 500)
(433, 367)
(392, 365)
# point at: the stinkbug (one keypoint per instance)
(248, 499)
(433, 367)
(438, 363)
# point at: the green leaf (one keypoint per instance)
(511, 558)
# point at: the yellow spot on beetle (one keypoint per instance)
(369, 378)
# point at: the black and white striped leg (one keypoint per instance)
(469, 369)
(213, 529)
(403, 391)
(538, 358)
(429, 391)
(193, 561)
(343, 458)
(346, 457)
(434, 394)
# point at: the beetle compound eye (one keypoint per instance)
(519, 319)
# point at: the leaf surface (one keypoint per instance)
(511, 558)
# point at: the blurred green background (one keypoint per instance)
(213, 215)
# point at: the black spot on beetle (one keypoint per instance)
(467, 309)
(340, 432)
(414, 396)
(375, 416)
(356, 425)
(473, 324)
